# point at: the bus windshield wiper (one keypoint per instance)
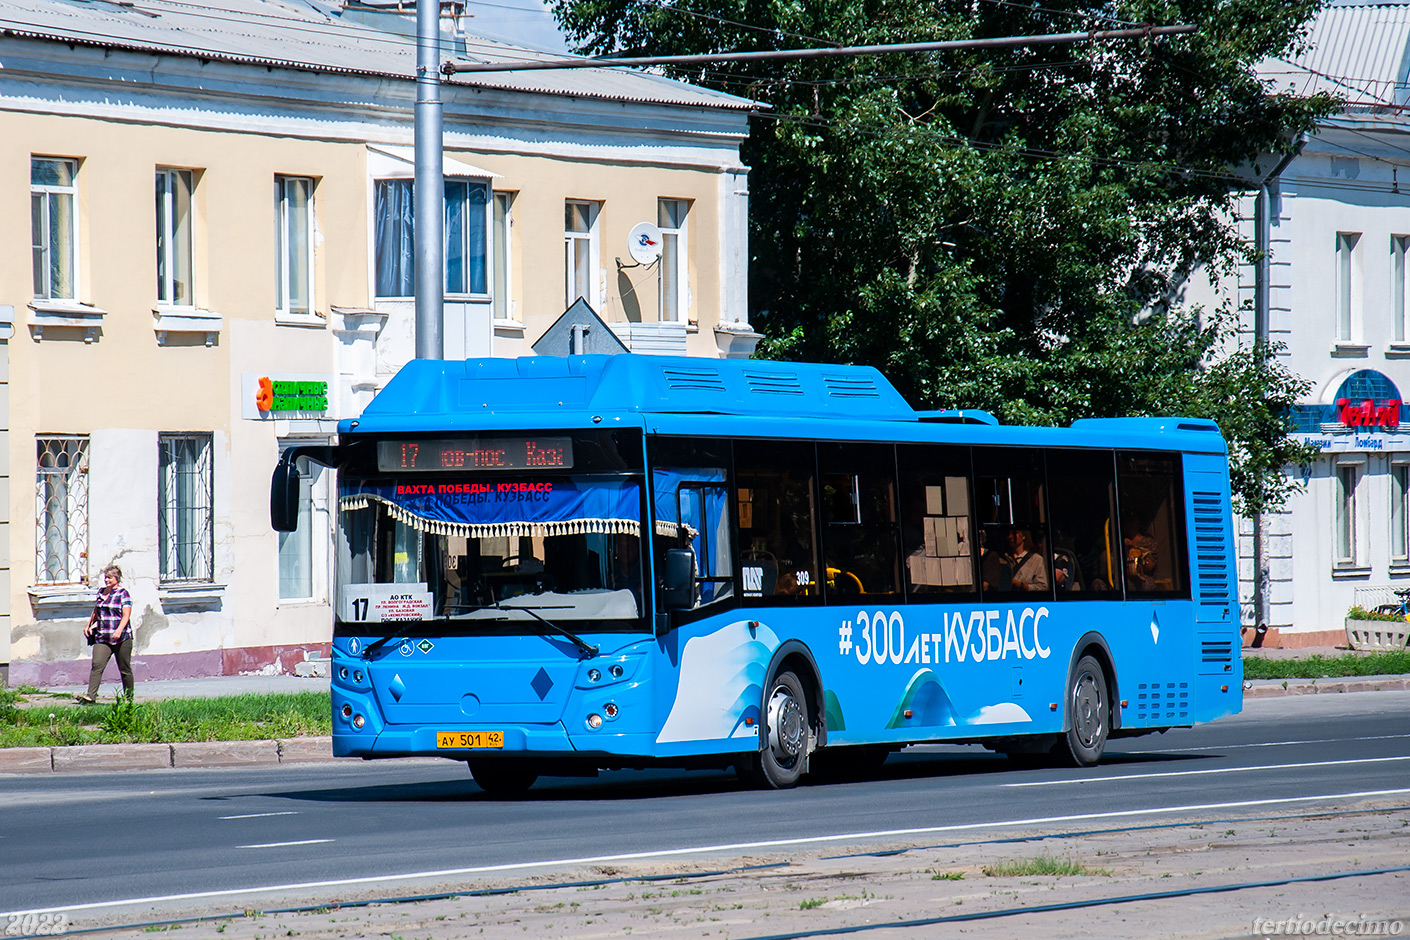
(588, 650)
(378, 644)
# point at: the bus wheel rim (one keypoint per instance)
(785, 726)
(1087, 710)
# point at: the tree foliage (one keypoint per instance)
(1005, 229)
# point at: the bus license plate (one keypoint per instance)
(459, 739)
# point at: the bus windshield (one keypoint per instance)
(467, 551)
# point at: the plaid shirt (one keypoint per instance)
(109, 606)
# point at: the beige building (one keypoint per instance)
(217, 264)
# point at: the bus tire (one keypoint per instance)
(502, 779)
(1089, 712)
(779, 765)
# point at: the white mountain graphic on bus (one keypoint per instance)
(721, 684)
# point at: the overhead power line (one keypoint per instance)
(826, 52)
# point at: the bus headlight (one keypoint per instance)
(594, 721)
(610, 710)
(358, 721)
(616, 671)
(594, 675)
(346, 711)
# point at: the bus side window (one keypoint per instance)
(1009, 502)
(858, 483)
(774, 497)
(704, 525)
(1086, 560)
(690, 503)
(1152, 524)
(937, 524)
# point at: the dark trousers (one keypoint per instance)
(102, 652)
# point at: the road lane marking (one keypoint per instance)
(1232, 747)
(287, 812)
(1211, 770)
(280, 845)
(695, 850)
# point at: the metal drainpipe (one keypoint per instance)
(1262, 238)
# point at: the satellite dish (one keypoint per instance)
(644, 243)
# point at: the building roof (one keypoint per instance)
(309, 35)
(1355, 50)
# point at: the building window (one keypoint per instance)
(1399, 518)
(293, 245)
(503, 226)
(185, 520)
(1348, 475)
(175, 243)
(467, 234)
(1398, 244)
(296, 550)
(53, 225)
(466, 237)
(1346, 299)
(61, 510)
(675, 290)
(580, 240)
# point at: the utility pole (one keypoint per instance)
(429, 219)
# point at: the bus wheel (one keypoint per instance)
(1090, 708)
(499, 779)
(779, 765)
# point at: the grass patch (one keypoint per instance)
(1042, 865)
(231, 718)
(811, 903)
(1391, 662)
(947, 876)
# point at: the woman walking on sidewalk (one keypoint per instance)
(109, 630)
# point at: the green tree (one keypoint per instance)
(1005, 229)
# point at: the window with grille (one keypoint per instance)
(61, 510)
(185, 522)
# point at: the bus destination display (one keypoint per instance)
(500, 453)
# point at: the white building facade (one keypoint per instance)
(1338, 230)
(205, 243)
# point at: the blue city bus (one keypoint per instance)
(552, 566)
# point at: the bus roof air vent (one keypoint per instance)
(779, 383)
(850, 386)
(692, 378)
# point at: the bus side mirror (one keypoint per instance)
(678, 579)
(284, 497)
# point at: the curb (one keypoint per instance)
(1272, 688)
(103, 758)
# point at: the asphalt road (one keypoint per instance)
(185, 840)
